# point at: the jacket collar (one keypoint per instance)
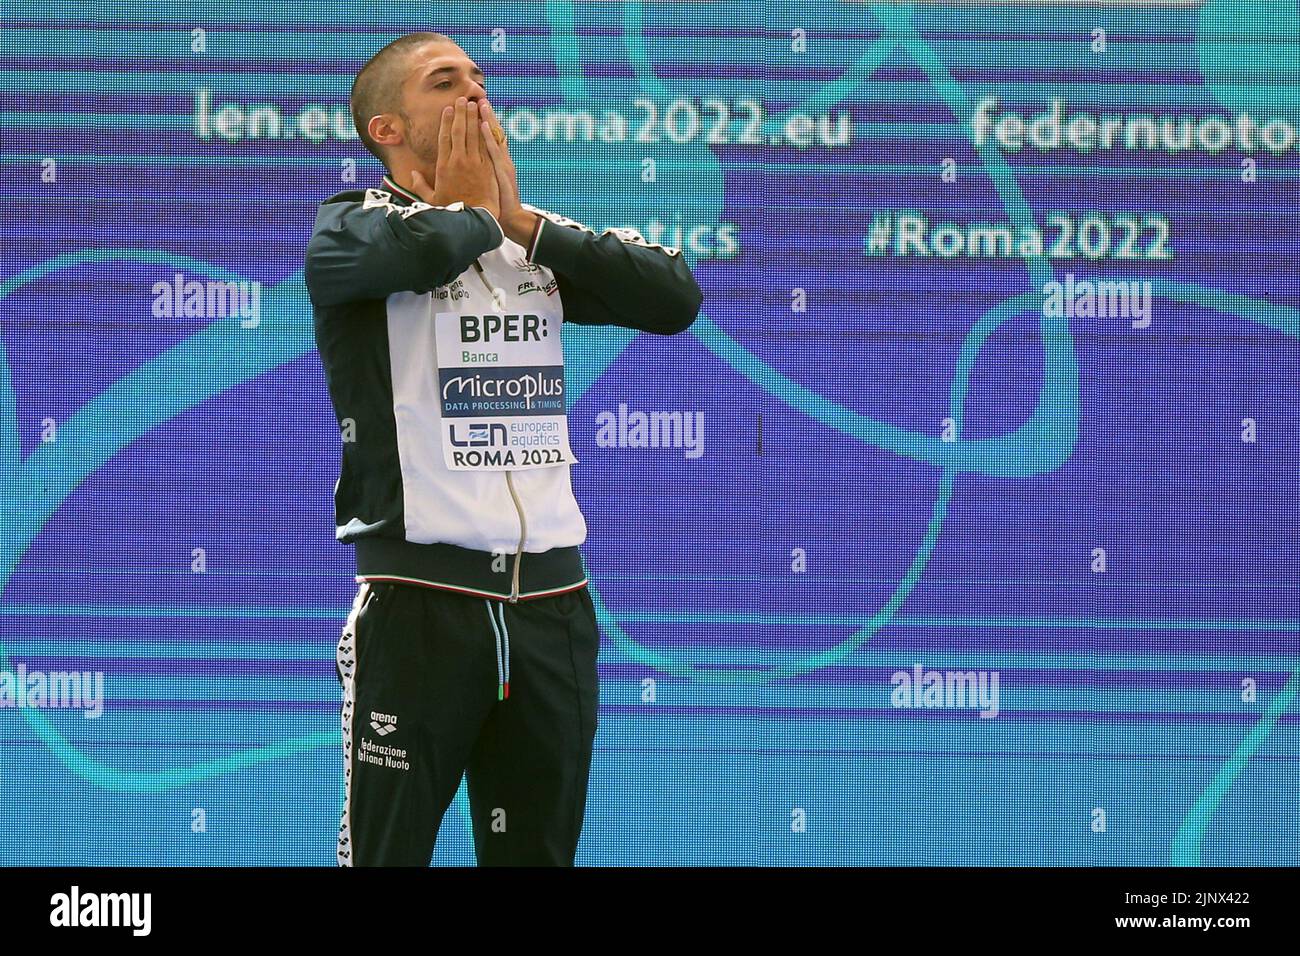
(400, 192)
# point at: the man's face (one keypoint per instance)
(439, 74)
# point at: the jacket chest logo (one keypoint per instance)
(455, 291)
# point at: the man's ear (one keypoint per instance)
(386, 129)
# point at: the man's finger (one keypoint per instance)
(473, 141)
(458, 129)
(490, 115)
(494, 143)
(507, 190)
(495, 153)
(444, 137)
(490, 144)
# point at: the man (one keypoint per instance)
(438, 300)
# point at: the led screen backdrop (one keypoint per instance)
(969, 529)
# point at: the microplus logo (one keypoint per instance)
(651, 430)
(923, 688)
(72, 909)
(24, 688)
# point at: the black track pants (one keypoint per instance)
(437, 685)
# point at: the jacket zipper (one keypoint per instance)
(519, 508)
(496, 299)
(523, 530)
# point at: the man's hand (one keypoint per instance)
(517, 222)
(465, 171)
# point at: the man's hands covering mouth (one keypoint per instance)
(465, 170)
(515, 220)
(474, 167)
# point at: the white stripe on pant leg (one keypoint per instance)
(496, 642)
(505, 640)
(346, 657)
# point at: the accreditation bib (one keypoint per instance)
(501, 389)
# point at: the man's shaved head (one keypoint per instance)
(378, 87)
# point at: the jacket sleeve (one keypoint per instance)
(371, 247)
(616, 277)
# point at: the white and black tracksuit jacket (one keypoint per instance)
(380, 264)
